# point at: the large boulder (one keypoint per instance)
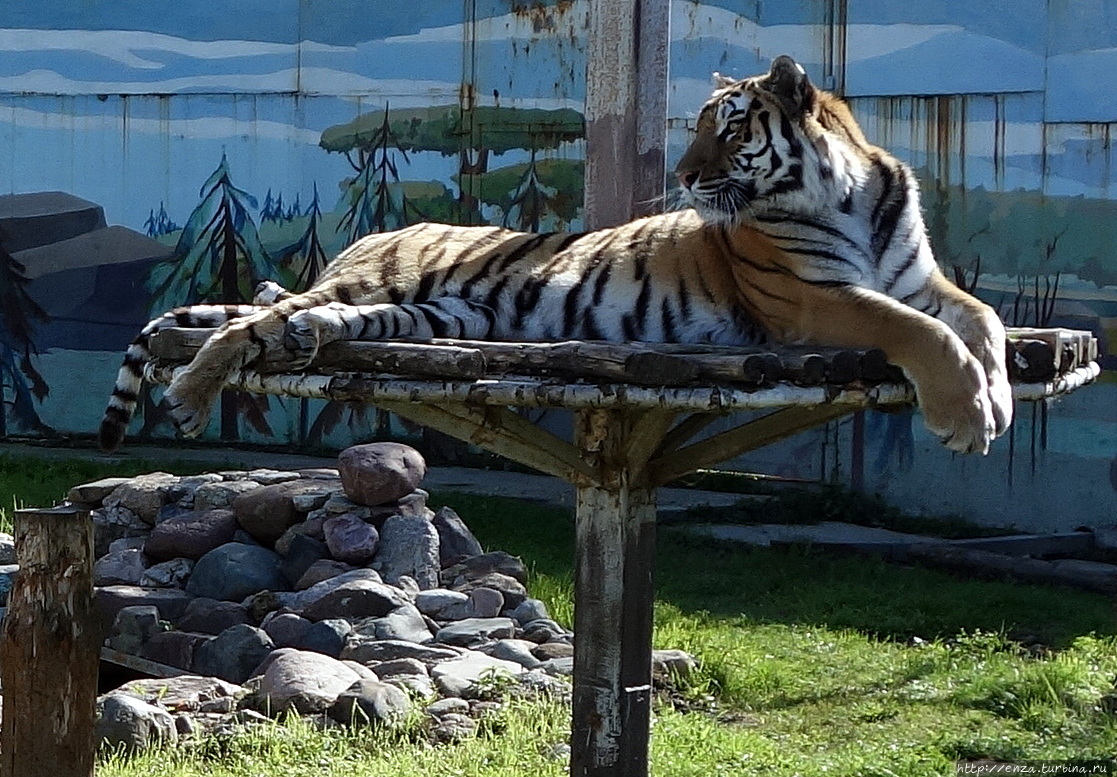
(326, 637)
(371, 702)
(174, 648)
(212, 616)
(476, 567)
(114, 523)
(455, 541)
(144, 495)
(222, 494)
(302, 681)
(512, 590)
(236, 571)
(409, 546)
(167, 574)
(351, 539)
(186, 693)
(405, 622)
(111, 599)
(301, 552)
(380, 472)
(286, 629)
(93, 494)
(133, 627)
(371, 650)
(472, 632)
(123, 721)
(462, 676)
(267, 512)
(233, 654)
(323, 570)
(355, 597)
(120, 567)
(191, 535)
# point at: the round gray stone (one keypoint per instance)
(302, 681)
(123, 721)
(235, 571)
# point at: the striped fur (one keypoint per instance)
(799, 230)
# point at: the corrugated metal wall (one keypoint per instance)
(133, 114)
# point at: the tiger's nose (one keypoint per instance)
(687, 178)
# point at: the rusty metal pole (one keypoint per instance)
(49, 658)
(626, 109)
(613, 596)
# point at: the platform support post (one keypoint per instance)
(49, 653)
(614, 593)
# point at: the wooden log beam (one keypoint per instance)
(613, 596)
(741, 439)
(49, 658)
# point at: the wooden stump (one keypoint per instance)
(613, 596)
(49, 654)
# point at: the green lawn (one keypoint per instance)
(811, 665)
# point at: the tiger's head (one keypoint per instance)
(770, 142)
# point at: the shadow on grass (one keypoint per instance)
(801, 586)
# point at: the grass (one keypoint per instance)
(810, 665)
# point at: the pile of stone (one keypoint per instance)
(333, 593)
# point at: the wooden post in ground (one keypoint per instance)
(613, 596)
(49, 658)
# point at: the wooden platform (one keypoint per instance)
(638, 410)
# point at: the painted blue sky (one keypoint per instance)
(261, 79)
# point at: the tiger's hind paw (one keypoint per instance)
(190, 416)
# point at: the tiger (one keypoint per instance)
(795, 230)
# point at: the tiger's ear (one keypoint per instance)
(787, 81)
(721, 82)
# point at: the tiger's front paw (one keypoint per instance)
(301, 339)
(1000, 399)
(957, 408)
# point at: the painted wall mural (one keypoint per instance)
(154, 157)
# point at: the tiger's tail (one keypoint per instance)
(129, 378)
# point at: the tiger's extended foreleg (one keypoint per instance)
(194, 390)
(981, 330)
(950, 382)
(309, 330)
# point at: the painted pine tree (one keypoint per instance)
(530, 201)
(377, 202)
(218, 258)
(305, 258)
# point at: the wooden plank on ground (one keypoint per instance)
(141, 665)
